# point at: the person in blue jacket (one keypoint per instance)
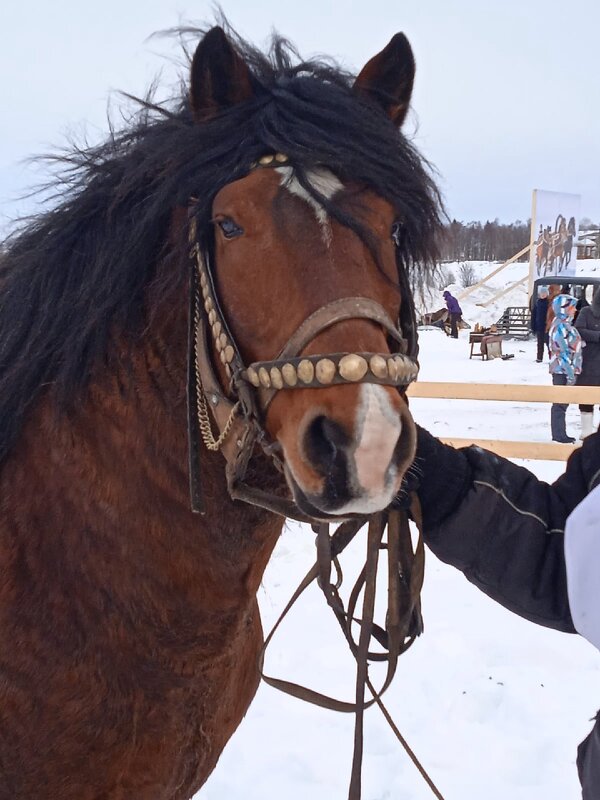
(534, 547)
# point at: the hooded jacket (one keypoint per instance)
(564, 340)
(452, 303)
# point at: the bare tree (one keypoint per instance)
(443, 277)
(467, 275)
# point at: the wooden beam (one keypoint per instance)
(539, 451)
(510, 261)
(517, 393)
(500, 294)
(532, 240)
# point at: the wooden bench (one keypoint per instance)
(486, 341)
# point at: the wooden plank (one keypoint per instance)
(526, 393)
(508, 289)
(539, 451)
(510, 261)
(532, 240)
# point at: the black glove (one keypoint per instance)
(439, 474)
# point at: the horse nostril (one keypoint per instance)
(324, 443)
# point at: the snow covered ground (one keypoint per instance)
(479, 306)
(493, 705)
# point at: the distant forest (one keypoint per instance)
(491, 241)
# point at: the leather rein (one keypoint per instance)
(238, 414)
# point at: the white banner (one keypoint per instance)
(554, 224)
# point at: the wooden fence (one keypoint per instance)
(547, 451)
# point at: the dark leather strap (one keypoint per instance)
(192, 401)
(403, 619)
(337, 311)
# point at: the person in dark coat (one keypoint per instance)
(588, 325)
(455, 313)
(538, 322)
(579, 293)
(531, 546)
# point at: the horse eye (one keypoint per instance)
(230, 228)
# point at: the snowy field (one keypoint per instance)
(480, 305)
(493, 705)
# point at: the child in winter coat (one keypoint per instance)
(553, 290)
(565, 359)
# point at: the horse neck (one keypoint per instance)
(113, 488)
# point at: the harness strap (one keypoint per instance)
(403, 618)
(331, 313)
(192, 400)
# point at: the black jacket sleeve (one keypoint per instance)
(588, 333)
(502, 526)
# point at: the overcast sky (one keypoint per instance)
(506, 99)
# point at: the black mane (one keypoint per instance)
(83, 269)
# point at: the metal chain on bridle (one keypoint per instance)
(238, 412)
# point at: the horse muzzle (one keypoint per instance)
(349, 459)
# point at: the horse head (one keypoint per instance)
(303, 294)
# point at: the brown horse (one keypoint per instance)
(129, 627)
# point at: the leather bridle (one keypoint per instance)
(238, 412)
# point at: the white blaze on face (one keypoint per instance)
(378, 427)
(323, 181)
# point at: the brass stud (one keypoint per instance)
(289, 374)
(264, 377)
(212, 316)
(228, 370)
(222, 357)
(276, 379)
(353, 367)
(306, 371)
(218, 345)
(216, 329)
(205, 292)
(402, 366)
(229, 352)
(325, 370)
(208, 306)
(266, 160)
(224, 340)
(281, 158)
(252, 376)
(378, 366)
(203, 280)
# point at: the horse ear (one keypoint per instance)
(220, 78)
(388, 77)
